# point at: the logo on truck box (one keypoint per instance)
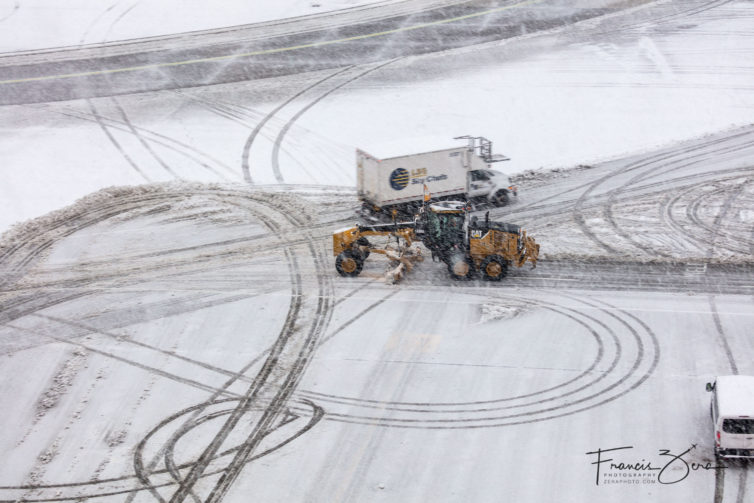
(399, 179)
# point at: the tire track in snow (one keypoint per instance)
(106, 483)
(98, 119)
(383, 9)
(653, 167)
(297, 115)
(733, 233)
(556, 200)
(96, 21)
(187, 426)
(29, 246)
(649, 168)
(148, 137)
(318, 258)
(654, 171)
(105, 268)
(142, 141)
(281, 392)
(244, 116)
(591, 388)
(249, 119)
(697, 234)
(245, 163)
(744, 469)
(686, 10)
(90, 103)
(717, 226)
(15, 8)
(119, 19)
(185, 488)
(153, 370)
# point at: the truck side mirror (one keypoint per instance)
(710, 386)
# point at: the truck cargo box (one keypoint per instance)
(456, 173)
(397, 180)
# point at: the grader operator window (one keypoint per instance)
(445, 229)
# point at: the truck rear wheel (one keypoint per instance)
(494, 268)
(460, 267)
(348, 263)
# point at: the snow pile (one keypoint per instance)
(493, 312)
(532, 178)
(60, 383)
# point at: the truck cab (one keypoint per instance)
(732, 411)
(491, 186)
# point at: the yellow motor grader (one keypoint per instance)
(466, 246)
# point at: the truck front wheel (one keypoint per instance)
(348, 263)
(501, 198)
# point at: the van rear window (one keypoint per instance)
(740, 426)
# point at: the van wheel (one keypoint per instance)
(349, 263)
(501, 198)
(494, 268)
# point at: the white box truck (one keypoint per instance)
(732, 411)
(456, 173)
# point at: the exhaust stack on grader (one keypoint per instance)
(466, 246)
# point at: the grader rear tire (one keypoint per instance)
(494, 268)
(460, 267)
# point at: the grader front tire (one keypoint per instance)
(348, 263)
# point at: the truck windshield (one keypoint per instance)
(478, 175)
(739, 426)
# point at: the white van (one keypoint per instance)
(732, 412)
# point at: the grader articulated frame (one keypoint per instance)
(352, 247)
(466, 246)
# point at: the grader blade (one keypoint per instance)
(405, 262)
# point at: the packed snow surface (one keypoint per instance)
(172, 326)
(42, 24)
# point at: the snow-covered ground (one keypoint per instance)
(136, 323)
(42, 24)
(575, 97)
